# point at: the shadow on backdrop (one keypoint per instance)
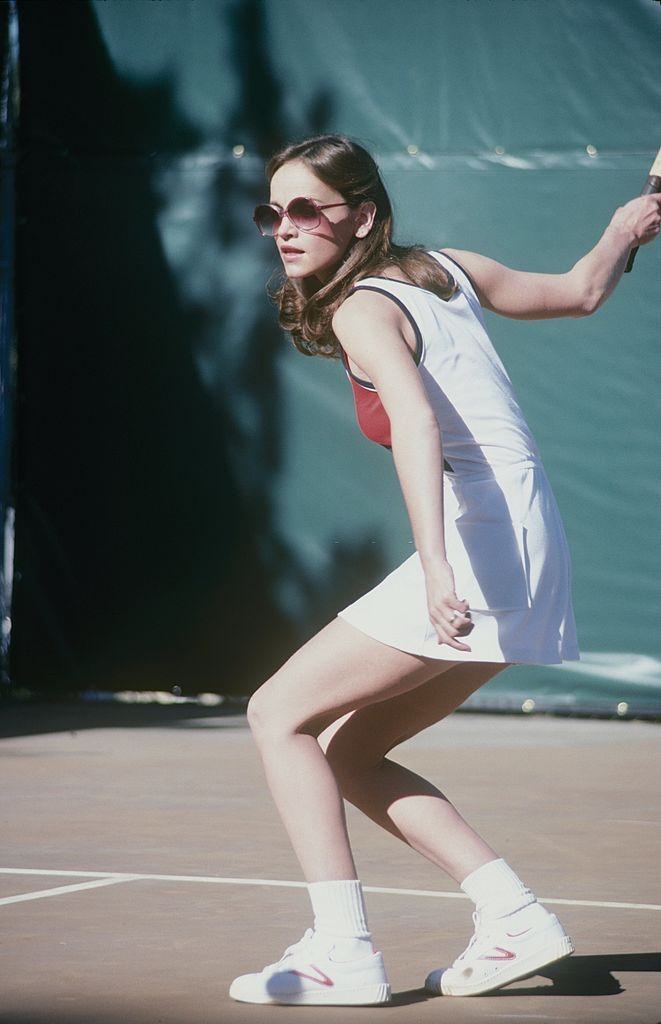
(146, 554)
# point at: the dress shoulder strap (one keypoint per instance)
(450, 264)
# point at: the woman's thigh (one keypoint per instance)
(363, 737)
(339, 669)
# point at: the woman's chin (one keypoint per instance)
(295, 273)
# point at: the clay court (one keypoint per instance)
(145, 866)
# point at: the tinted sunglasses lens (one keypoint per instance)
(266, 219)
(304, 214)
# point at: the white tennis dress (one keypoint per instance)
(504, 535)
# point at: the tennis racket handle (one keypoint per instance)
(653, 184)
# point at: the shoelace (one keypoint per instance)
(473, 939)
(483, 930)
(294, 948)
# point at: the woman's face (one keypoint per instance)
(319, 252)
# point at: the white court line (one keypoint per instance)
(219, 880)
(60, 890)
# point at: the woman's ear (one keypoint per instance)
(364, 219)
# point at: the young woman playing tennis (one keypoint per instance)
(489, 584)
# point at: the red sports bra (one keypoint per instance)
(372, 418)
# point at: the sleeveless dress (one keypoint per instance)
(504, 535)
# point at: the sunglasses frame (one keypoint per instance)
(282, 213)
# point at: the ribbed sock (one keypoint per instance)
(341, 916)
(496, 890)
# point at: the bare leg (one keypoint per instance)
(403, 803)
(338, 670)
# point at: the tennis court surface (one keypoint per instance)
(144, 866)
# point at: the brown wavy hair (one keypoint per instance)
(348, 168)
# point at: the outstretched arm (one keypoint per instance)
(579, 292)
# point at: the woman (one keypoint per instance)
(429, 385)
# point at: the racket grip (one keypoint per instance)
(632, 256)
(653, 184)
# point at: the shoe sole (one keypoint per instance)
(557, 950)
(371, 995)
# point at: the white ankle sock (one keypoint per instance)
(496, 890)
(340, 914)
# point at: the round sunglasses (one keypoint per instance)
(303, 212)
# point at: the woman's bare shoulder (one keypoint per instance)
(365, 305)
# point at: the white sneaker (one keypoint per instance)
(502, 951)
(307, 973)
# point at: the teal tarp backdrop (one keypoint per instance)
(195, 496)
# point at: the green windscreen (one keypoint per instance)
(225, 503)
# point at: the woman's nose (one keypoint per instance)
(286, 228)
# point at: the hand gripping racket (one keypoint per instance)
(653, 184)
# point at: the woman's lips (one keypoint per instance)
(291, 254)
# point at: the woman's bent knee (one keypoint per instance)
(260, 714)
(268, 719)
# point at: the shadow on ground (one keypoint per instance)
(577, 976)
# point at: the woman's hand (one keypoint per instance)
(640, 219)
(449, 615)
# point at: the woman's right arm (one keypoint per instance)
(527, 296)
(368, 328)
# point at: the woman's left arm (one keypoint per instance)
(522, 295)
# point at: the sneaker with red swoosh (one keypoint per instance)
(306, 973)
(503, 950)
